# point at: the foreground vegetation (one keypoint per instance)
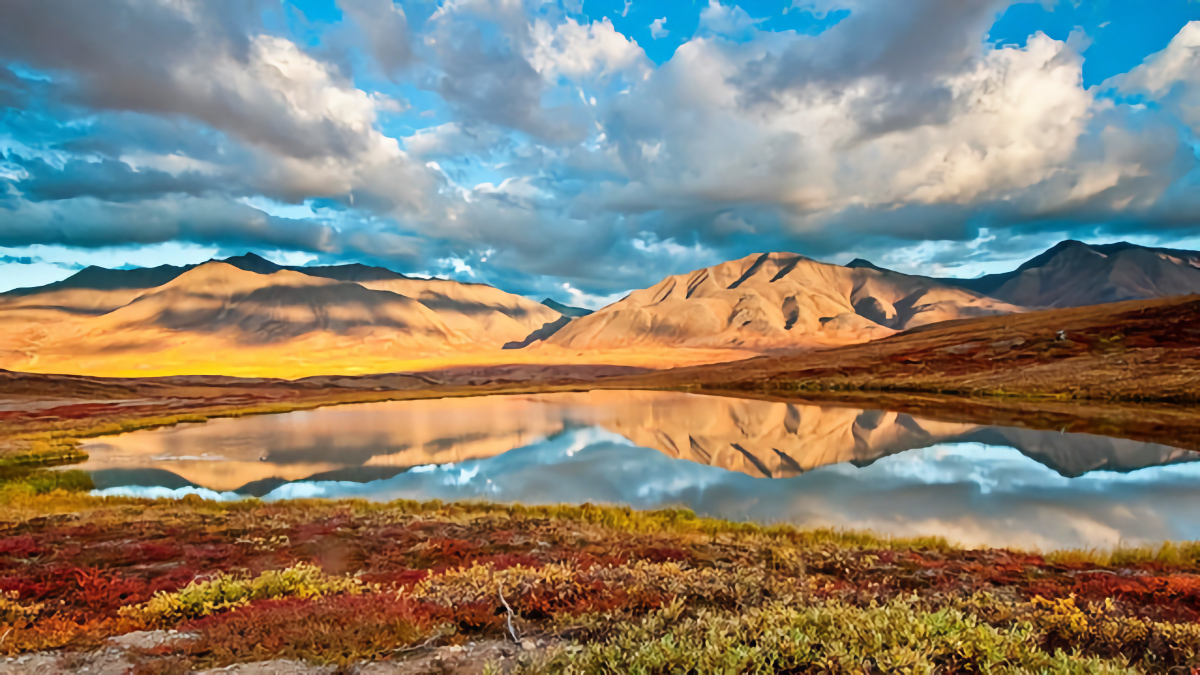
(584, 589)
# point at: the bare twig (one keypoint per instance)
(423, 645)
(5, 636)
(511, 632)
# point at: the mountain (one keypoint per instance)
(247, 315)
(486, 313)
(353, 272)
(774, 301)
(92, 290)
(262, 308)
(251, 262)
(202, 319)
(1075, 274)
(566, 310)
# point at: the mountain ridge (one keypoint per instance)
(1125, 271)
(772, 301)
(765, 303)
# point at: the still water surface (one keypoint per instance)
(724, 457)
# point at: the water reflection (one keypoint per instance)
(841, 467)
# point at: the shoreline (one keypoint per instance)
(51, 433)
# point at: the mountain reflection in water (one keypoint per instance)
(843, 467)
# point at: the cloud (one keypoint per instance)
(555, 146)
(862, 126)
(1171, 76)
(487, 79)
(727, 20)
(577, 51)
(87, 222)
(210, 61)
(454, 139)
(107, 179)
(385, 27)
(307, 130)
(656, 28)
(35, 260)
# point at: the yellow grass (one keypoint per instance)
(328, 355)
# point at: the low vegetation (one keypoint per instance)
(225, 592)
(596, 589)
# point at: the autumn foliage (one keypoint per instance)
(613, 589)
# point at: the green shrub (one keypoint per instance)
(224, 592)
(830, 637)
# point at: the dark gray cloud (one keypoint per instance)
(493, 84)
(386, 30)
(87, 222)
(210, 61)
(107, 179)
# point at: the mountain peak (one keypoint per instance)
(355, 272)
(222, 275)
(566, 310)
(859, 262)
(252, 262)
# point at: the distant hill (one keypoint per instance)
(774, 301)
(482, 313)
(213, 313)
(262, 308)
(92, 290)
(1075, 274)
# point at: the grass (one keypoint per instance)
(1168, 553)
(225, 592)
(830, 637)
(607, 589)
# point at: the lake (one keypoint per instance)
(739, 459)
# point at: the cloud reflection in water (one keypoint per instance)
(843, 468)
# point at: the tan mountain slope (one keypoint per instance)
(92, 290)
(774, 301)
(256, 308)
(216, 318)
(488, 315)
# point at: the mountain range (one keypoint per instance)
(775, 301)
(247, 315)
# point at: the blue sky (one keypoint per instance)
(581, 148)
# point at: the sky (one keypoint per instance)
(581, 148)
